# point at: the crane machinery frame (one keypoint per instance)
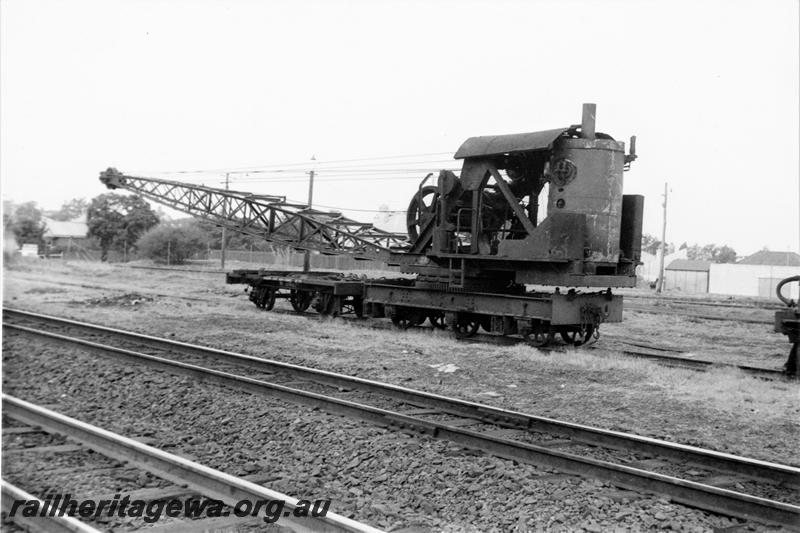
(787, 321)
(482, 254)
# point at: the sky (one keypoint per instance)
(380, 92)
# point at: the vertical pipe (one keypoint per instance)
(663, 245)
(307, 255)
(588, 121)
(224, 231)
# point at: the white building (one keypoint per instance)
(648, 270)
(755, 275)
(687, 276)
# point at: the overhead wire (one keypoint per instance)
(412, 167)
(291, 173)
(300, 179)
(313, 163)
(337, 173)
(352, 209)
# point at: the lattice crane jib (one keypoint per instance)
(270, 217)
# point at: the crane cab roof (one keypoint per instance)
(491, 145)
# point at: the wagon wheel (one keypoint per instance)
(406, 318)
(420, 210)
(541, 335)
(578, 337)
(569, 336)
(402, 321)
(320, 303)
(591, 335)
(327, 304)
(353, 306)
(436, 319)
(267, 300)
(256, 295)
(539, 339)
(575, 337)
(358, 306)
(467, 326)
(300, 300)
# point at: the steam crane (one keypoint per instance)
(477, 242)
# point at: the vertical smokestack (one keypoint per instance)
(587, 123)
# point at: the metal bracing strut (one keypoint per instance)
(269, 217)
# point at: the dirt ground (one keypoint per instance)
(722, 410)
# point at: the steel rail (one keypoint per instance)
(694, 494)
(41, 522)
(202, 479)
(675, 312)
(662, 300)
(500, 340)
(596, 436)
(704, 365)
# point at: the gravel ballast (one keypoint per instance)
(385, 478)
(380, 477)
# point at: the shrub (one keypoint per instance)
(172, 242)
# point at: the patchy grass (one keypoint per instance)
(724, 389)
(721, 409)
(724, 341)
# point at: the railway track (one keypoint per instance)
(722, 483)
(676, 361)
(187, 476)
(666, 300)
(56, 524)
(669, 360)
(658, 310)
(662, 358)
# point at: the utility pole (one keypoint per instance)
(663, 244)
(307, 255)
(224, 232)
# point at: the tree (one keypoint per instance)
(25, 222)
(172, 242)
(652, 245)
(235, 239)
(712, 253)
(724, 254)
(71, 210)
(117, 221)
